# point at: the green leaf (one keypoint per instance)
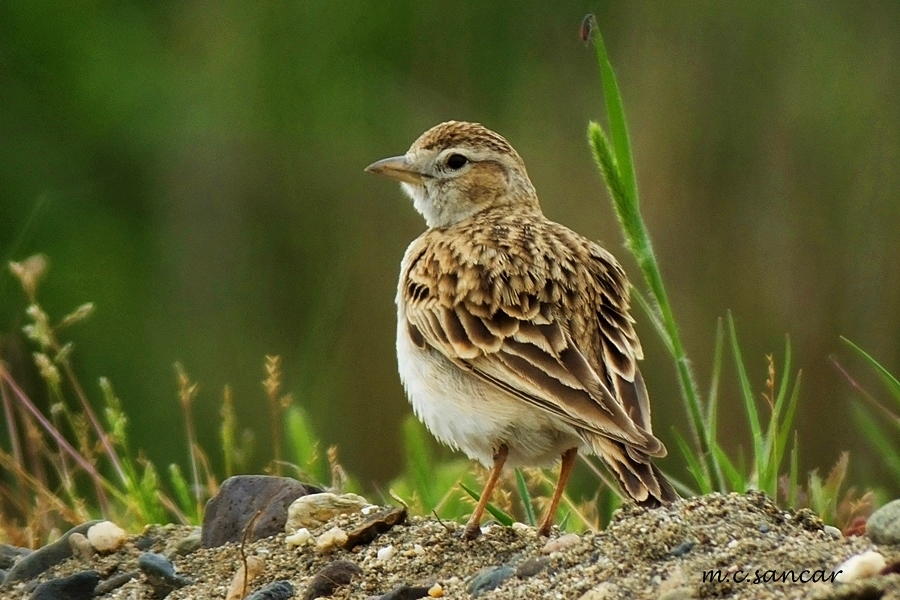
(890, 382)
(749, 401)
(526, 498)
(502, 518)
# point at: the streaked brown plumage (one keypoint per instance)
(514, 338)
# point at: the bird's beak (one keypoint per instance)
(397, 167)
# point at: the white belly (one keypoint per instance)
(471, 415)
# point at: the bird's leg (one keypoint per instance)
(473, 527)
(568, 462)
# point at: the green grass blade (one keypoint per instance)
(419, 462)
(712, 406)
(887, 377)
(614, 158)
(526, 498)
(749, 401)
(615, 113)
(652, 313)
(885, 443)
(737, 481)
(502, 518)
(693, 465)
(304, 444)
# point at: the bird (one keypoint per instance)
(515, 343)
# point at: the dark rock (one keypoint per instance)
(327, 580)
(884, 524)
(37, 562)
(114, 582)
(10, 554)
(406, 592)
(374, 526)
(143, 543)
(277, 590)
(238, 501)
(532, 566)
(488, 579)
(764, 528)
(683, 548)
(78, 586)
(160, 574)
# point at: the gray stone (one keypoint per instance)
(37, 562)
(10, 554)
(532, 566)
(78, 586)
(160, 574)
(406, 592)
(238, 501)
(884, 524)
(488, 579)
(277, 590)
(330, 578)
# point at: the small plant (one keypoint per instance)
(708, 463)
(879, 422)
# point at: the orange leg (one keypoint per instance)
(568, 462)
(473, 527)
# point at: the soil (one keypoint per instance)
(753, 549)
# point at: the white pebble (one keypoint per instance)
(561, 543)
(419, 550)
(860, 566)
(522, 528)
(299, 538)
(106, 536)
(386, 553)
(833, 532)
(330, 539)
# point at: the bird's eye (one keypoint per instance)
(456, 161)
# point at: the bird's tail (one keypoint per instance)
(640, 478)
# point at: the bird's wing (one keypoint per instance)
(537, 323)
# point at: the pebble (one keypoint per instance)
(374, 526)
(106, 537)
(160, 573)
(189, 543)
(277, 590)
(860, 566)
(833, 531)
(561, 543)
(32, 565)
(81, 546)
(240, 499)
(114, 582)
(78, 586)
(331, 577)
(10, 554)
(684, 547)
(314, 510)
(299, 538)
(331, 539)
(386, 553)
(488, 579)
(436, 591)
(532, 566)
(241, 581)
(884, 524)
(407, 592)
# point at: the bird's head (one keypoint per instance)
(456, 170)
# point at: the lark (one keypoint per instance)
(514, 339)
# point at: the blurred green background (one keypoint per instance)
(196, 169)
